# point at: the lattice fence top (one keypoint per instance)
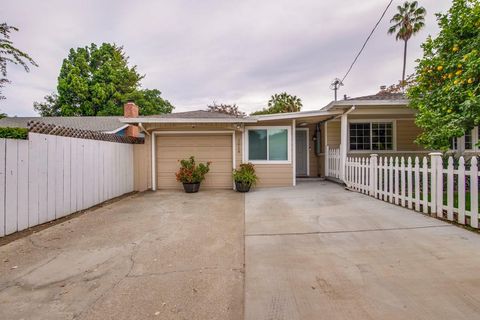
(46, 128)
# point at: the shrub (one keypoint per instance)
(246, 174)
(190, 172)
(14, 133)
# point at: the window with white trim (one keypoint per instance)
(469, 141)
(371, 135)
(268, 144)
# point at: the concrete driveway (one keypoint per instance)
(162, 255)
(319, 252)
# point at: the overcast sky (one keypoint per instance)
(197, 52)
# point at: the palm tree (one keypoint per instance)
(408, 21)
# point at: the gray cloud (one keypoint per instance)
(197, 52)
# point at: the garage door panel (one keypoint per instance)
(189, 141)
(201, 154)
(217, 166)
(214, 148)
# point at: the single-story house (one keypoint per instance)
(106, 124)
(284, 147)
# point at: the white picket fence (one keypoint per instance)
(419, 185)
(48, 177)
(332, 165)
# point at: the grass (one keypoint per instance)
(455, 200)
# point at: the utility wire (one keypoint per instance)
(368, 38)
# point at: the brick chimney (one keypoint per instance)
(130, 110)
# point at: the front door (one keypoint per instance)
(301, 140)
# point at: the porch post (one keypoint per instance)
(343, 144)
(327, 151)
(154, 170)
(294, 152)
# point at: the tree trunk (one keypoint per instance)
(404, 62)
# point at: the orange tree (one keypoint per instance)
(446, 88)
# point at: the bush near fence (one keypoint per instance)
(14, 133)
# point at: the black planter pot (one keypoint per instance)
(242, 187)
(191, 187)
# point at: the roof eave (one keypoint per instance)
(295, 115)
(185, 120)
(347, 103)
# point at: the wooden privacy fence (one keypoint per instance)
(48, 177)
(448, 192)
(332, 162)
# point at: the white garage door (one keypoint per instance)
(204, 147)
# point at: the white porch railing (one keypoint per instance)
(332, 162)
(449, 192)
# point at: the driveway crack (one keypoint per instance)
(343, 231)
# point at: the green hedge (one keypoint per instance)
(14, 133)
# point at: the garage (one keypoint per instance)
(214, 147)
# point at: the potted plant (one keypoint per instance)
(245, 177)
(192, 174)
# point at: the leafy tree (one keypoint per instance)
(281, 103)
(50, 107)
(10, 54)
(96, 81)
(231, 109)
(446, 91)
(408, 21)
(150, 102)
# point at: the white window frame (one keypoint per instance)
(289, 145)
(461, 140)
(371, 121)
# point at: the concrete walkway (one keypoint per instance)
(319, 252)
(162, 255)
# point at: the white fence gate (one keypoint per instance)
(450, 193)
(332, 162)
(48, 177)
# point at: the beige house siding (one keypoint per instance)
(142, 168)
(407, 132)
(274, 175)
(333, 134)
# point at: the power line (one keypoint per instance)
(368, 38)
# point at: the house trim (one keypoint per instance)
(273, 162)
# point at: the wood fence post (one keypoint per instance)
(474, 192)
(435, 162)
(373, 174)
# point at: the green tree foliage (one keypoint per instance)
(97, 81)
(446, 90)
(10, 54)
(150, 101)
(408, 21)
(230, 109)
(50, 107)
(281, 103)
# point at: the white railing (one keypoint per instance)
(449, 193)
(48, 177)
(332, 162)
